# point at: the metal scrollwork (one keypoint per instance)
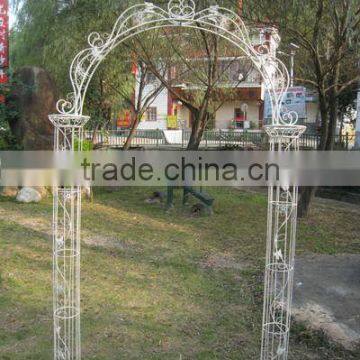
(182, 9)
(289, 117)
(215, 19)
(95, 40)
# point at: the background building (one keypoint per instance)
(243, 102)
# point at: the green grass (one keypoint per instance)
(154, 284)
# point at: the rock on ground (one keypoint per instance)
(86, 191)
(28, 195)
(327, 296)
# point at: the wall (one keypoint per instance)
(153, 125)
(225, 115)
(160, 102)
(184, 115)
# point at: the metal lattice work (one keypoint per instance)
(283, 137)
(145, 17)
(66, 246)
(280, 252)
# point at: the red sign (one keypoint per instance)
(124, 120)
(240, 118)
(4, 40)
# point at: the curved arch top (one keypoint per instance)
(179, 13)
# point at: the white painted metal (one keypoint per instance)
(145, 17)
(68, 136)
(357, 128)
(67, 202)
(280, 252)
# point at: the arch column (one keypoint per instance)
(68, 136)
(280, 252)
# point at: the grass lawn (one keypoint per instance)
(158, 285)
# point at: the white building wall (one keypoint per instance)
(184, 116)
(153, 125)
(225, 115)
(161, 103)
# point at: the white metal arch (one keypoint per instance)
(181, 13)
(282, 204)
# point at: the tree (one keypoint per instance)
(199, 78)
(328, 33)
(142, 88)
(8, 114)
(44, 27)
(49, 33)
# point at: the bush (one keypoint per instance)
(84, 145)
(8, 141)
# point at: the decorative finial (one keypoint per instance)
(182, 9)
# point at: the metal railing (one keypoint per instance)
(253, 139)
(117, 138)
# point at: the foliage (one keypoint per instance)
(8, 112)
(84, 145)
(328, 33)
(49, 33)
(326, 30)
(201, 79)
(47, 28)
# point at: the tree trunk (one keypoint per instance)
(324, 120)
(197, 130)
(333, 108)
(94, 134)
(341, 129)
(306, 195)
(133, 129)
(332, 124)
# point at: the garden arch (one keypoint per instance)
(283, 133)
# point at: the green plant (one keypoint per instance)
(84, 145)
(9, 112)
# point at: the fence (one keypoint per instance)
(255, 140)
(117, 138)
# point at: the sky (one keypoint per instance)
(11, 19)
(12, 15)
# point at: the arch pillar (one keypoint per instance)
(280, 251)
(68, 136)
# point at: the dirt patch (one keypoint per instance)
(320, 318)
(103, 241)
(43, 225)
(327, 296)
(223, 261)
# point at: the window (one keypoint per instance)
(151, 114)
(239, 118)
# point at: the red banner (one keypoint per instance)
(4, 40)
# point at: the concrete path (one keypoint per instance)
(327, 296)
